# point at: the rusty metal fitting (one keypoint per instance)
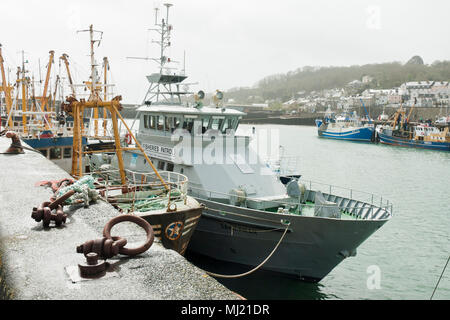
(44, 213)
(93, 266)
(61, 200)
(172, 207)
(104, 248)
(140, 222)
(16, 145)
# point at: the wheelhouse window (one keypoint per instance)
(146, 122)
(153, 120)
(161, 165)
(160, 122)
(170, 167)
(67, 153)
(176, 123)
(216, 123)
(228, 124)
(55, 153)
(205, 124)
(168, 123)
(188, 123)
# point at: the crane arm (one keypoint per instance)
(47, 79)
(66, 62)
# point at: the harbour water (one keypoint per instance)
(402, 260)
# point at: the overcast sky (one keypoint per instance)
(228, 43)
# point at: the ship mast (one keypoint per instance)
(161, 83)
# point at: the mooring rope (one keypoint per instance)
(437, 284)
(254, 269)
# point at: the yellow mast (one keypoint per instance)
(55, 92)
(6, 89)
(44, 98)
(66, 63)
(411, 110)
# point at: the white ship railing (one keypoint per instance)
(359, 204)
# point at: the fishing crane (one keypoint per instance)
(44, 98)
(76, 109)
(66, 63)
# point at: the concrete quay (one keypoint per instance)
(34, 261)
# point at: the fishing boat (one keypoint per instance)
(36, 119)
(402, 133)
(302, 229)
(345, 127)
(159, 197)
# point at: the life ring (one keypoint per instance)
(174, 230)
(128, 138)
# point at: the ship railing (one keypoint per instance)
(350, 193)
(175, 184)
(284, 165)
(375, 207)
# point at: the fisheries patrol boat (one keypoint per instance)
(302, 229)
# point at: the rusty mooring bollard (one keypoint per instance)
(104, 248)
(44, 211)
(109, 246)
(92, 267)
(16, 146)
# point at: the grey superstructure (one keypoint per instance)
(248, 211)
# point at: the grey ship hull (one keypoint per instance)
(312, 246)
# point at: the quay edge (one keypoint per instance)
(33, 259)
